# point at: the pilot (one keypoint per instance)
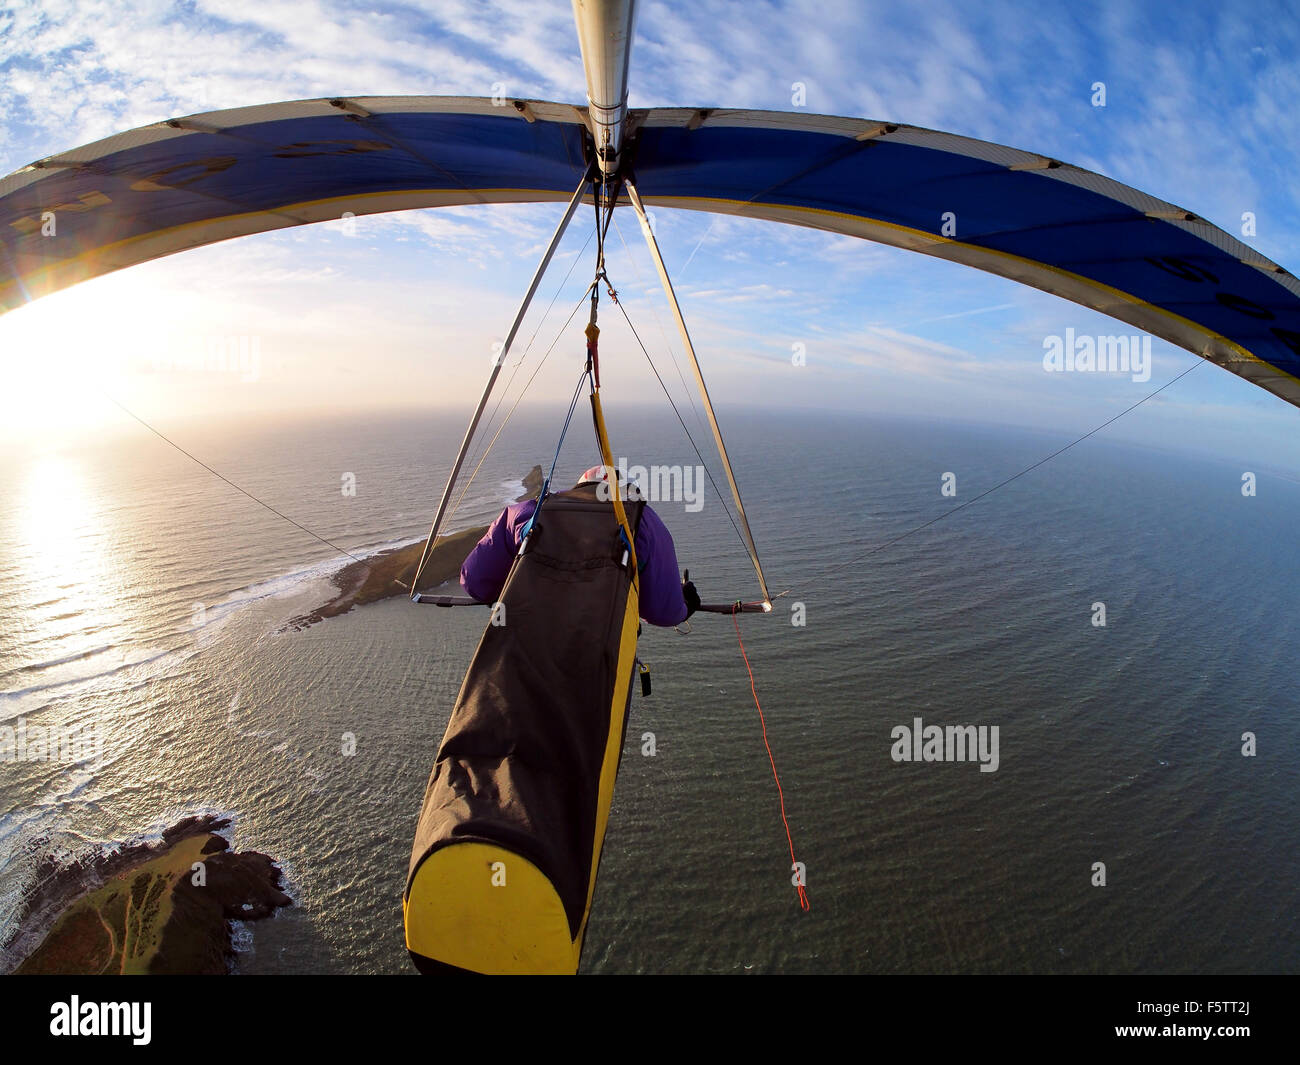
(663, 599)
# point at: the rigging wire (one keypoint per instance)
(244, 491)
(220, 476)
(704, 465)
(636, 270)
(592, 291)
(515, 372)
(1016, 476)
(619, 303)
(518, 400)
(329, 543)
(593, 375)
(564, 431)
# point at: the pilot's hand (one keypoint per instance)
(689, 593)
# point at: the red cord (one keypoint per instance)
(794, 865)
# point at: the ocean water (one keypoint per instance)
(142, 596)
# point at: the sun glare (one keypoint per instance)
(56, 510)
(61, 354)
(62, 542)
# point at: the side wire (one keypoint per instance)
(636, 270)
(519, 399)
(223, 477)
(1015, 476)
(514, 373)
(704, 465)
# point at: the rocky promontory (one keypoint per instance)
(154, 908)
(390, 573)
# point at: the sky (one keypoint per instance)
(404, 310)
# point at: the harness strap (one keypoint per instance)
(606, 456)
(593, 359)
(528, 525)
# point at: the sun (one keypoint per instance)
(62, 356)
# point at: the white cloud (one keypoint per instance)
(1200, 111)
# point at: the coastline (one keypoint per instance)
(168, 905)
(389, 573)
(154, 908)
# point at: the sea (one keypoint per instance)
(1124, 617)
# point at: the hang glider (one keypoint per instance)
(193, 181)
(503, 867)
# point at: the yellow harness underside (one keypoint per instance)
(481, 907)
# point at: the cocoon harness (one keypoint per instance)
(506, 850)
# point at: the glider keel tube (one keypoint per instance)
(605, 37)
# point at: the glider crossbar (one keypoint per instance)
(446, 600)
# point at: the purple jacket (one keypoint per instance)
(484, 572)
